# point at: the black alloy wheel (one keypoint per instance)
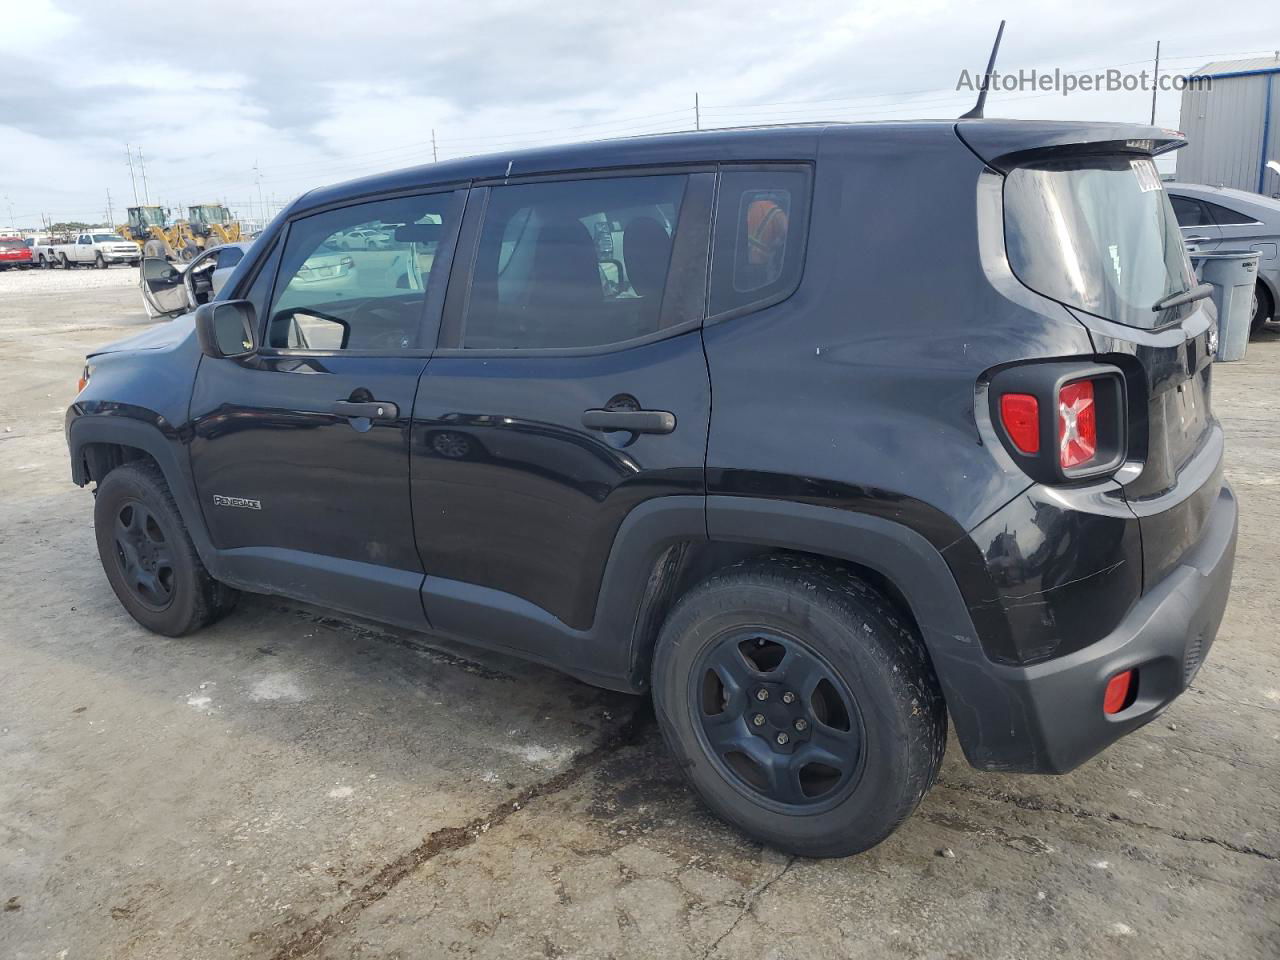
(143, 555)
(778, 720)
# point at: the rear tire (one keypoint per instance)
(848, 683)
(1262, 308)
(148, 555)
(64, 262)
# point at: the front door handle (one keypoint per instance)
(635, 421)
(372, 409)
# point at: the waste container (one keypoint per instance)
(1233, 274)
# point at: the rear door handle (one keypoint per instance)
(372, 409)
(635, 421)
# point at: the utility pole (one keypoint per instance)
(128, 152)
(111, 217)
(435, 157)
(1155, 84)
(697, 112)
(262, 207)
(12, 224)
(142, 165)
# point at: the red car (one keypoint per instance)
(14, 252)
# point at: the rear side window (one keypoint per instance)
(1226, 218)
(761, 226)
(356, 278)
(1098, 235)
(577, 263)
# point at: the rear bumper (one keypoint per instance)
(1058, 703)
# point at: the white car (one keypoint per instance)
(362, 239)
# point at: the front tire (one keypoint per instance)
(148, 555)
(800, 704)
(99, 262)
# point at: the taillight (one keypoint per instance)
(1077, 424)
(1020, 414)
(1061, 420)
(84, 379)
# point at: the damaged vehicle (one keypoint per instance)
(961, 467)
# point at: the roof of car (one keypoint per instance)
(1227, 195)
(796, 142)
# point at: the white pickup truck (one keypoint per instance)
(97, 249)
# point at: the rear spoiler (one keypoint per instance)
(1004, 144)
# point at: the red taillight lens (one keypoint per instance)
(1020, 415)
(1077, 424)
(1118, 692)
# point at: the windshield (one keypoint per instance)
(1098, 235)
(208, 214)
(151, 215)
(105, 237)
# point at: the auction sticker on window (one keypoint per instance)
(1145, 171)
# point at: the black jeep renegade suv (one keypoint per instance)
(821, 434)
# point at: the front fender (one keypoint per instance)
(140, 429)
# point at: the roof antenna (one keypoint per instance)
(976, 112)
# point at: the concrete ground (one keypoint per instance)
(289, 784)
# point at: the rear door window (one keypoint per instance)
(575, 263)
(1097, 234)
(1189, 212)
(761, 226)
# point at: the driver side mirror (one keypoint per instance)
(227, 328)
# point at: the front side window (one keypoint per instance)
(577, 263)
(1097, 234)
(332, 293)
(761, 223)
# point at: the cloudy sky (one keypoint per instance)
(312, 93)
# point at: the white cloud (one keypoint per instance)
(329, 90)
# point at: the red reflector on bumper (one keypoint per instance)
(1117, 696)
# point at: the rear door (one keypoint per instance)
(569, 387)
(301, 451)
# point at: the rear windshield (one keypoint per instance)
(1098, 235)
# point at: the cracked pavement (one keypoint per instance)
(291, 784)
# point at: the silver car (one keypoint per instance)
(1219, 218)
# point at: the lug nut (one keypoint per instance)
(762, 694)
(783, 739)
(758, 719)
(788, 697)
(802, 725)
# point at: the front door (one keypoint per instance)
(301, 451)
(569, 387)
